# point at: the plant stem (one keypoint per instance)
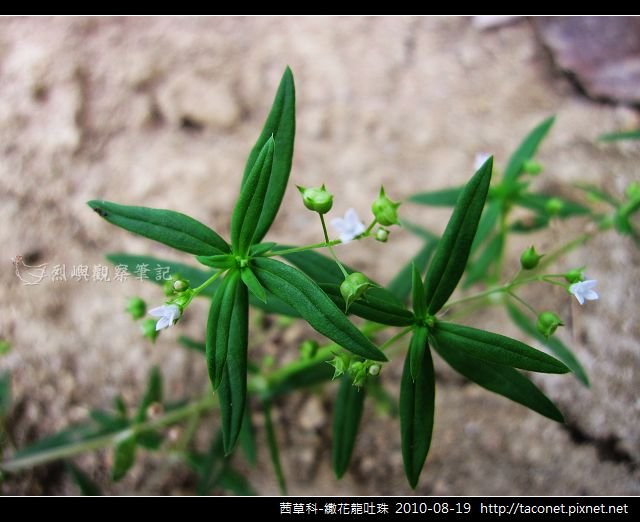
(326, 238)
(392, 340)
(204, 285)
(324, 244)
(523, 303)
(63, 452)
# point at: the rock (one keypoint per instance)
(603, 53)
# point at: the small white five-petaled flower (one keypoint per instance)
(584, 290)
(168, 315)
(349, 227)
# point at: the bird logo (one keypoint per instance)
(29, 274)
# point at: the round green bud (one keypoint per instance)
(180, 285)
(136, 307)
(530, 258)
(547, 323)
(316, 199)
(385, 210)
(532, 167)
(353, 287)
(382, 234)
(554, 206)
(374, 369)
(308, 349)
(574, 276)
(148, 327)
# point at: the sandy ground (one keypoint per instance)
(162, 112)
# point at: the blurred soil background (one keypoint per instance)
(163, 111)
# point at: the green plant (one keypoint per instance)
(245, 272)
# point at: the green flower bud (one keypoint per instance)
(353, 288)
(316, 199)
(382, 234)
(180, 285)
(532, 167)
(148, 327)
(385, 210)
(358, 372)
(530, 258)
(136, 307)
(547, 323)
(340, 363)
(574, 276)
(308, 349)
(554, 206)
(374, 369)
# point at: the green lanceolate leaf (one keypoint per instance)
(236, 483)
(321, 269)
(495, 348)
(262, 248)
(165, 226)
(538, 202)
(248, 209)
(124, 454)
(622, 135)
(554, 344)
(281, 124)
(87, 486)
(378, 306)
(417, 348)
(233, 388)
(192, 344)
(219, 326)
(5, 393)
(303, 294)
(481, 267)
(153, 394)
(417, 406)
(346, 420)
(247, 439)
(400, 286)
(220, 262)
(254, 286)
(302, 377)
(419, 301)
(453, 249)
(526, 150)
(487, 224)
(155, 268)
(499, 379)
(437, 198)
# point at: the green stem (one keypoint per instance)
(71, 450)
(369, 228)
(326, 238)
(204, 285)
(324, 244)
(392, 340)
(523, 303)
(567, 247)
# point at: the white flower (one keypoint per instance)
(584, 290)
(479, 160)
(349, 227)
(168, 315)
